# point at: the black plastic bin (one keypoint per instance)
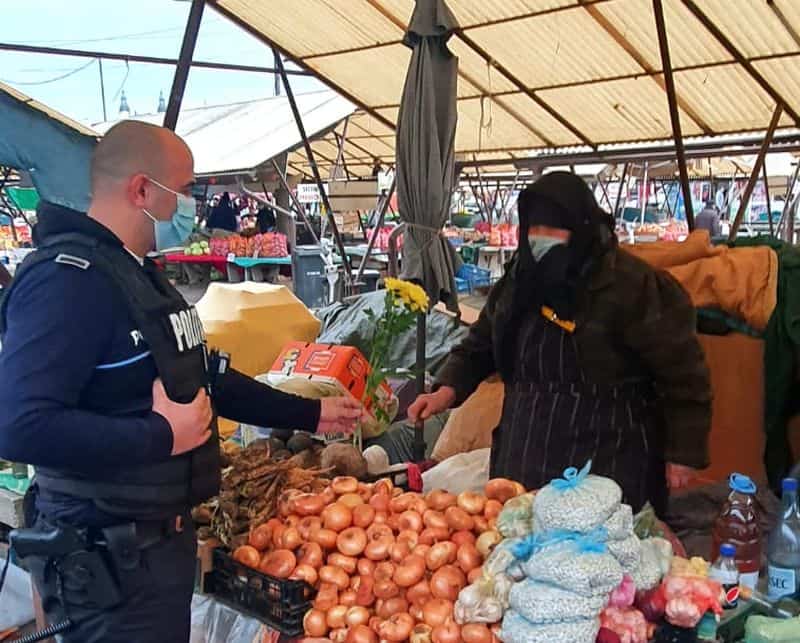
(308, 274)
(280, 604)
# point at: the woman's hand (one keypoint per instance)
(339, 414)
(679, 476)
(426, 406)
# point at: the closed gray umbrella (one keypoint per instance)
(425, 151)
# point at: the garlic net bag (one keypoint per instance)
(577, 502)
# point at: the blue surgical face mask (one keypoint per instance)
(173, 232)
(542, 244)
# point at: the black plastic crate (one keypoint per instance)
(280, 604)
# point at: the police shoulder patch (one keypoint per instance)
(72, 260)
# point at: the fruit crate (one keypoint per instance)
(280, 604)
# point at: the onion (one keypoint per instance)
(351, 542)
(363, 515)
(307, 504)
(471, 502)
(502, 489)
(401, 503)
(416, 612)
(348, 597)
(385, 589)
(260, 537)
(334, 575)
(357, 616)
(410, 521)
(463, 538)
(351, 500)
(279, 563)
(365, 491)
(365, 567)
(447, 582)
(327, 597)
(380, 502)
(346, 563)
(247, 555)
(397, 628)
(458, 519)
(434, 519)
(337, 517)
(487, 541)
(492, 509)
(441, 554)
(419, 505)
(290, 539)
(408, 536)
(338, 635)
(474, 575)
(314, 623)
(399, 550)
(377, 530)
(390, 606)
(325, 538)
(383, 487)
(364, 594)
(410, 572)
(437, 611)
(380, 518)
(344, 484)
(434, 535)
(439, 499)
(292, 521)
(476, 633)
(422, 550)
(378, 549)
(421, 633)
(419, 593)
(384, 571)
(335, 617)
(310, 554)
(468, 558)
(306, 573)
(481, 524)
(361, 633)
(447, 633)
(308, 526)
(284, 501)
(328, 495)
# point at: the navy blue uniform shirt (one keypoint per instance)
(76, 378)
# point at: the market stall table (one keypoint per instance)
(257, 268)
(220, 263)
(487, 256)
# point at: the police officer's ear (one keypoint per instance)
(141, 192)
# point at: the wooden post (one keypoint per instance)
(674, 115)
(751, 183)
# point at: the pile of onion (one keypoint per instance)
(387, 565)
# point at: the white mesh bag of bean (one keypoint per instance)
(577, 502)
(586, 569)
(516, 629)
(541, 603)
(619, 526)
(628, 552)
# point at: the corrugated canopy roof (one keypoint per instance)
(241, 137)
(544, 74)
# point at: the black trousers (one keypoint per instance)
(157, 595)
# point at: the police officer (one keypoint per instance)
(107, 388)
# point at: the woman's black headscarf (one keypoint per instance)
(557, 200)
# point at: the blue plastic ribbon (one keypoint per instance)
(741, 483)
(592, 543)
(572, 477)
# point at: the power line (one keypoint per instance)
(49, 80)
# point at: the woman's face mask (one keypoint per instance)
(542, 240)
(174, 231)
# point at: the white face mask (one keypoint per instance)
(174, 231)
(542, 244)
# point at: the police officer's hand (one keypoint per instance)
(426, 406)
(339, 414)
(190, 423)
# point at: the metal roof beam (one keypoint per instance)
(184, 64)
(739, 57)
(784, 21)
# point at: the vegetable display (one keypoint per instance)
(388, 565)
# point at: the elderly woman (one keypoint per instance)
(597, 351)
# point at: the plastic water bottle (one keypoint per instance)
(725, 572)
(783, 554)
(739, 524)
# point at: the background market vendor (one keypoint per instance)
(597, 351)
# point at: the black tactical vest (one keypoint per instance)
(174, 333)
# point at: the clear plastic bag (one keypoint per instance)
(501, 558)
(462, 472)
(516, 518)
(565, 566)
(654, 563)
(540, 603)
(577, 502)
(516, 629)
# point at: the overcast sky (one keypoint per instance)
(143, 27)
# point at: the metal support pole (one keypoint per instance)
(378, 226)
(340, 152)
(184, 62)
(751, 183)
(669, 82)
(298, 119)
(394, 254)
(276, 55)
(644, 190)
(619, 191)
(477, 197)
(603, 189)
(769, 201)
(484, 196)
(419, 427)
(786, 204)
(297, 205)
(102, 89)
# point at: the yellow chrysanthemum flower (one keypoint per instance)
(412, 296)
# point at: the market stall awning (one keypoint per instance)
(545, 74)
(54, 149)
(242, 137)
